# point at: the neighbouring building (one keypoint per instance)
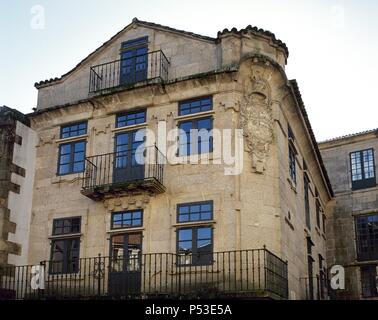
(105, 224)
(352, 228)
(17, 157)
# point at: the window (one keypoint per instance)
(362, 169)
(195, 106)
(195, 212)
(65, 252)
(73, 130)
(369, 281)
(127, 219)
(66, 226)
(306, 201)
(195, 246)
(322, 276)
(71, 157)
(131, 118)
(367, 237)
(134, 61)
(196, 136)
(292, 154)
(310, 268)
(324, 223)
(318, 213)
(292, 169)
(134, 42)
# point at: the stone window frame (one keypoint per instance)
(368, 274)
(194, 226)
(371, 254)
(306, 196)
(195, 121)
(55, 221)
(124, 226)
(129, 113)
(72, 155)
(292, 156)
(75, 132)
(67, 238)
(190, 108)
(192, 204)
(195, 253)
(364, 182)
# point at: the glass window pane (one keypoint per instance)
(127, 216)
(183, 218)
(74, 130)
(205, 207)
(185, 234)
(195, 208)
(194, 217)
(79, 146)
(117, 217)
(195, 212)
(194, 106)
(206, 216)
(65, 159)
(186, 126)
(79, 156)
(132, 118)
(204, 233)
(185, 245)
(203, 243)
(65, 149)
(137, 222)
(64, 169)
(184, 209)
(204, 124)
(137, 215)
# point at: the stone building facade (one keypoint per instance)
(90, 197)
(352, 229)
(17, 156)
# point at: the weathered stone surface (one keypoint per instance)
(250, 209)
(341, 233)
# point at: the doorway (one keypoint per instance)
(125, 264)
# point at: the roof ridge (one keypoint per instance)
(349, 135)
(157, 25)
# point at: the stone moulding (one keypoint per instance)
(126, 202)
(256, 117)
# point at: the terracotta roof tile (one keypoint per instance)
(299, 99)
(350, 135)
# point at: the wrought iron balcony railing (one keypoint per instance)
(149, 67)
(255, 273)
(122, 171)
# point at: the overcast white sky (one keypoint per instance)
(333, 46)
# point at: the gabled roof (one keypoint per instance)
(135, 21)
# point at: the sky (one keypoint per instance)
(333, 46)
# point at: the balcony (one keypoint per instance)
(148, 68)
(122, 172)
(254, 273)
